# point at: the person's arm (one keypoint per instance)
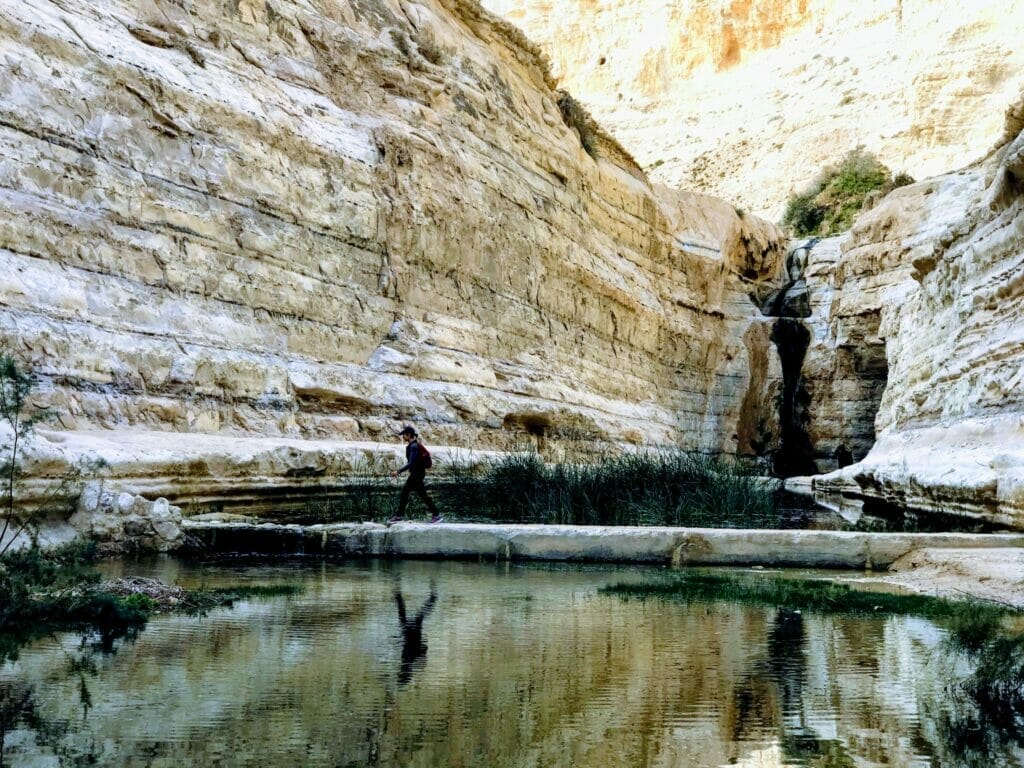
(409, 463)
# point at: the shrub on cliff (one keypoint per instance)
(839, 193)
(18, 419)
(576, 116)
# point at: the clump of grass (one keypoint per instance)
(430, 50)
(653, 488)
(29, 579)
(211, 597)
(831, 203)
(656, 488)
(59, 590)
(42, 592)
(813, 595)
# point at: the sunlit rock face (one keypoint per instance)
(844, 370)
(321, 219)
(748, 100)
(935, 275)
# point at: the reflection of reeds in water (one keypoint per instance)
(656, 488)
(989, 636)
(814, 595)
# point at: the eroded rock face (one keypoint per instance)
(318, 220)
(845, 369)
(935, 275)
(749, 100)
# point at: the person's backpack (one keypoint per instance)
(425, 456)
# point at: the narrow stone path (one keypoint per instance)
(600, 544)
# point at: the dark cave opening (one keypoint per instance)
(795, 453)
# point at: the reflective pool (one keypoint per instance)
(456, 664)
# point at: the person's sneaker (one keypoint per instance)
(395, 519)
(436, 519)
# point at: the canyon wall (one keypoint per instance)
(926, 293)
(241, 243)
(748, 100)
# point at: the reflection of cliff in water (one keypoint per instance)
(776, 682)
(34, 729)
(527, 665)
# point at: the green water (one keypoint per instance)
(509, 666)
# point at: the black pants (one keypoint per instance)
(415, 485)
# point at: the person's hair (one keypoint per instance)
(408, 430)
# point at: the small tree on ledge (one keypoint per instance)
(18, 419)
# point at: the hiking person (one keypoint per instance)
(417, 462)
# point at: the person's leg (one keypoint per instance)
(421, 491)
(403, 500)
(400, 602)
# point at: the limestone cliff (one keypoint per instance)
(927, 294)
(749, 99)
(234, 236)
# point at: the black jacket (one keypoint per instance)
(415, 461)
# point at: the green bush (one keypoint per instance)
(840, 192)
(25, 575)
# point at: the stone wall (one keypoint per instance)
(124, 522)
(306, 223)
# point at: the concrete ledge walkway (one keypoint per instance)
(597, 544)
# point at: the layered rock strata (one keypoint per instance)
(749, 100)
(935, 275)
(304, 223)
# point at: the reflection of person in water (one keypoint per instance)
(414, 647)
